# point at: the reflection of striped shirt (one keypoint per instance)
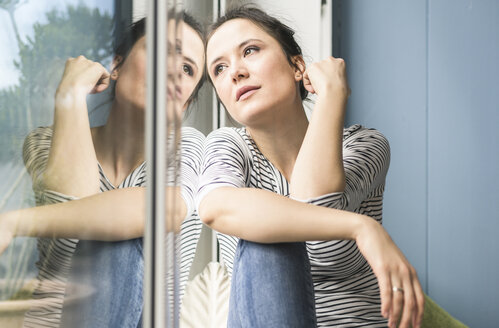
(346, 290)
(55, 254)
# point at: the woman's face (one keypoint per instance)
(131, 77)
(192, 63)
(251, 73)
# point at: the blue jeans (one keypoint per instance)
(271, 287)
(114, 271)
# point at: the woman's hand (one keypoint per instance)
(7, 230)
(328, 75)
(402, 297)
(81, 77)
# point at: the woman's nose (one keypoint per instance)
(238, 71)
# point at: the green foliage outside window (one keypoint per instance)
(75, 31)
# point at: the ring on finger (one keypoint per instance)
(397, 289)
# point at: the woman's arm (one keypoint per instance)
(323, 140)
(265, 217)
(262, 216)
(117, 214)
(366, 159)
(114, 215)
(72, 164)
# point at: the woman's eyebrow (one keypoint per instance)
(190, 60)
(241, 45)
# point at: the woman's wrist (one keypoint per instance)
(332, 108)
(335, 92)
(362, 224)
(68, 98)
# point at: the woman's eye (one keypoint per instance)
(250, 50)
(219, 69)
(187, 69)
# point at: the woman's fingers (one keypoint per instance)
(418, 293)
(84, 75)
(103, 82)
(402, 299)
(100, 77)
(307, 84)
(328, 75)
(409, 305)
(397, 304)
(385, 288)
(407, 300)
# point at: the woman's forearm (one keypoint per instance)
(72, 164)
(262, 216)
(319, 166)
(109, 216)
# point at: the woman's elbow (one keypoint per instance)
(206, 214)
(217, 206)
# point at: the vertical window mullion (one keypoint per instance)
(155, 297)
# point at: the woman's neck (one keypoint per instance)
(281, 141)
(119, 145)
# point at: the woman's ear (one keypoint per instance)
(299, 65)
(117, 62)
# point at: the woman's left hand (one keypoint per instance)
(402, 298)
(328, 75)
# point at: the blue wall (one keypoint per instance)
(426, 74)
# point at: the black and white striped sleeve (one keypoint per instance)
(190, 165)
(35, 156)
(226, 162)
(366, 158)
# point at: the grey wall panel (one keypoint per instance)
(464, 159)
(384, 45)
(427, 75)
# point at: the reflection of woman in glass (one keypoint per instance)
(70, 161)
(358, 275)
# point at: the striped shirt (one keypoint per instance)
(55, 255)
(346, 290)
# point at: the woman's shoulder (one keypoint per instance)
(37, 141)
(366, 145)
(36, 152)
(360, 132)
(228, 140)
(225, 131)
(227, 134)
(40, 133)
(188, 132)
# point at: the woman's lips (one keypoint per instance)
(246, 91)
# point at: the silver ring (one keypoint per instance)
(398, 289)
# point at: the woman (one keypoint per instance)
(70, 161)
(259, 75)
